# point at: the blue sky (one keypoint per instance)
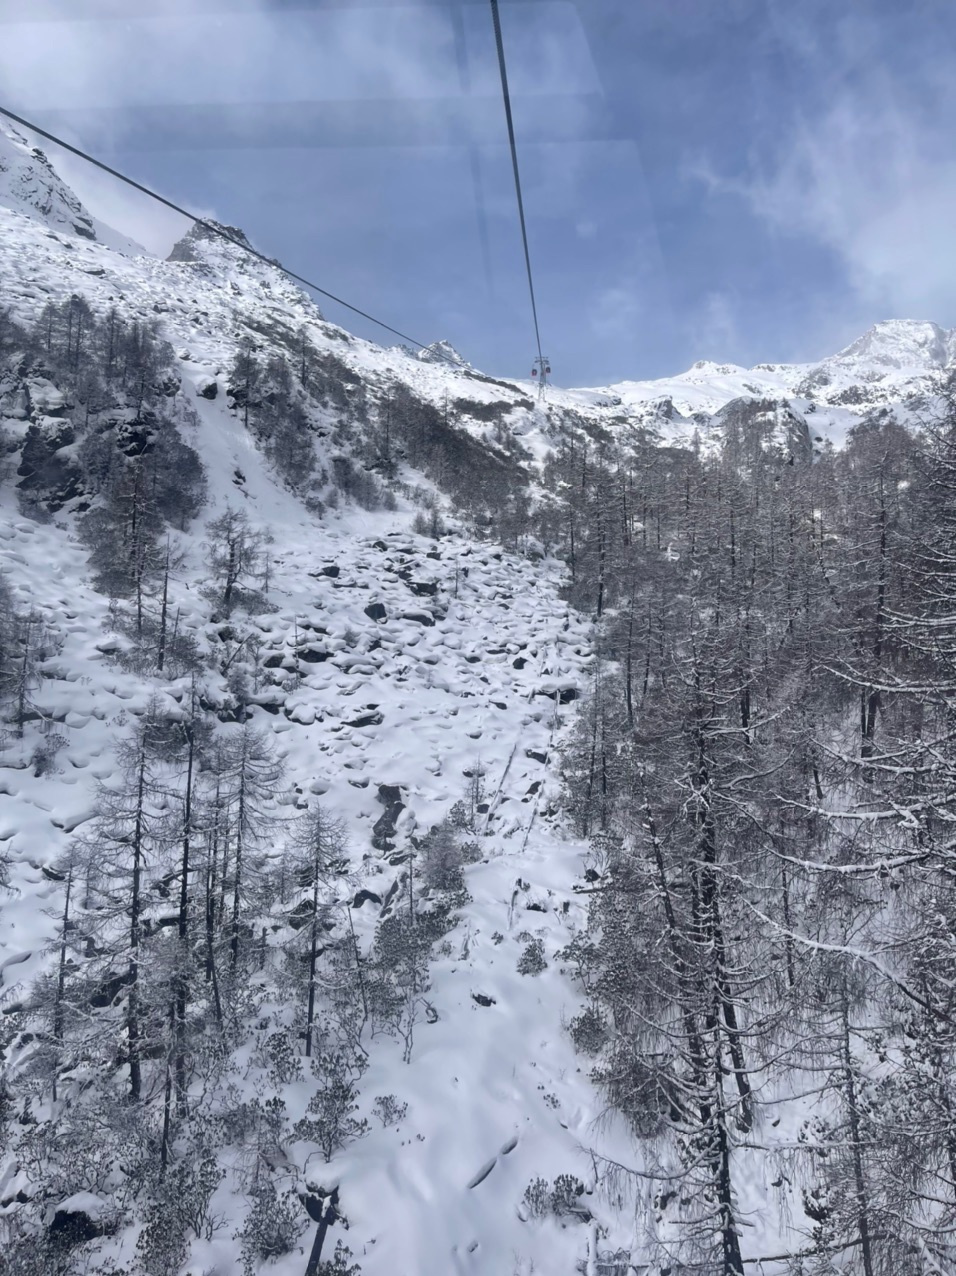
(740, 180)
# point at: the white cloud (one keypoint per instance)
(143, 219)
(869, 173)
(243, 60)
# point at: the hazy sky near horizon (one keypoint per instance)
(738, 180)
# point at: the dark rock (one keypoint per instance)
(273, 662)
(519, 663)
(382, 830)
(331, 570)
(365, 896)
(74, 1227)
(591, 875)
(390, 895)
(419, 617)
(473, 660)
(109, 990)
(300, 915)
(209, 389)
(533, 907)
(535, 755)
(376, 611)
(568, 694)
(482, 1000)
(372, 719)
(380, 545)
(312, 655)
(423, 588)
(533, 788)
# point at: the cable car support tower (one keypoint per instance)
(540, 372)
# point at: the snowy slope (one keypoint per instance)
(439, 697)
(470, 661)
(29, 184)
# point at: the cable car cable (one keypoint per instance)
(514, 163)
(216, 229)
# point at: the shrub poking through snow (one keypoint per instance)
(272, 1227)
(588, 1031)
(560, 1199)
(532, 960)
(338, 1264)
(332, 1122)
(388, 1109)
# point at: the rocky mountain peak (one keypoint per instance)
(901, 343)
(442, 352)
(201, 236)
(30, 185)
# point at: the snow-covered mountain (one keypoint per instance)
(443, 352)
(397, 673)
(895, 365)
(30, 185)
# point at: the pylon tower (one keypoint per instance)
(542, 370)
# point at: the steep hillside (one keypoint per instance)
(394, 680)
(414, 795)
(30, 185)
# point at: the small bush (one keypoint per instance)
(429, 524)
(588, 1031)
(272, 1227)
(388, 1109)
(532, 960)
(560, 1199)
(537, 1198)
(338, 1264)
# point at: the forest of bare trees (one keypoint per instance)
(765, 771)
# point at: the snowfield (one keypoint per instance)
(414, 700)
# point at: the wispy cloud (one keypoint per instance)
(867, 168)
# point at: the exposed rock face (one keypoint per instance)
(390, 795)
(30, 185)
(442, 352)
(191, 246)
